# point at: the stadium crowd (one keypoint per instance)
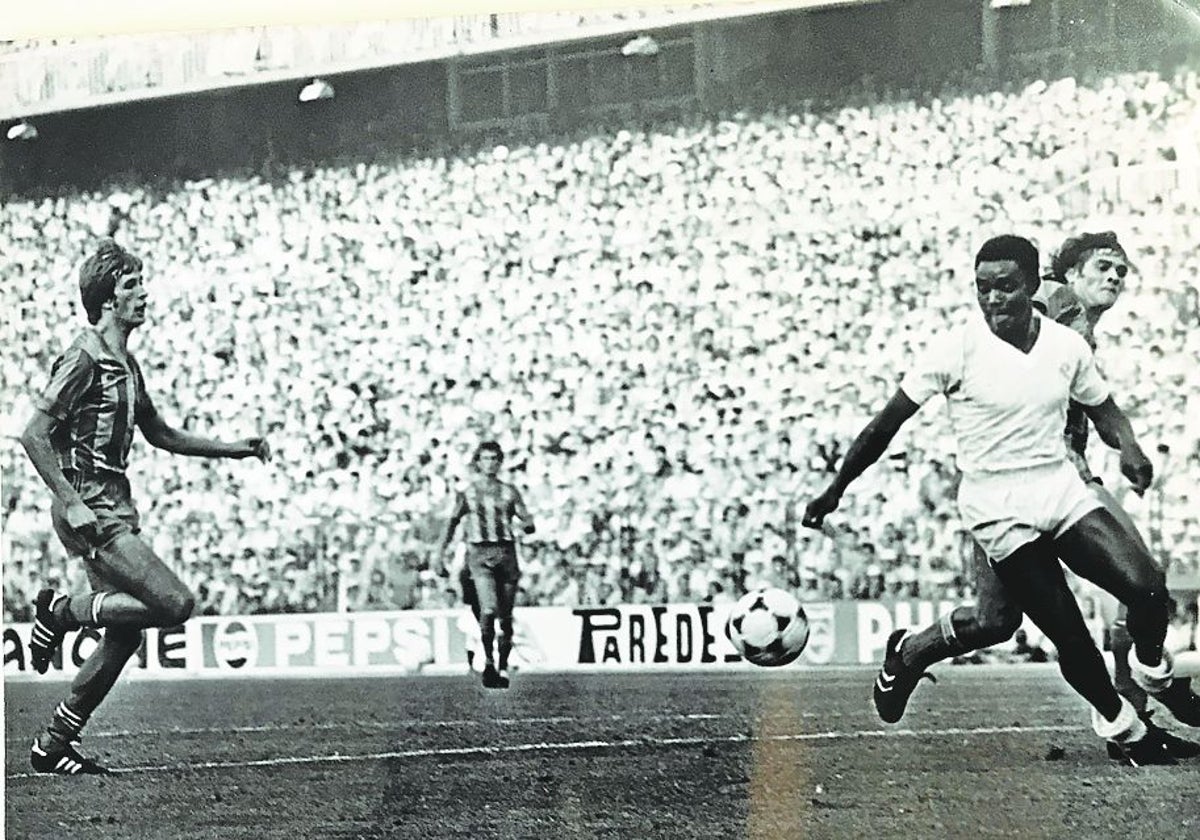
(672, 331)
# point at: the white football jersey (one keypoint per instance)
(1007, 408)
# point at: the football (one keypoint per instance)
(768, 627)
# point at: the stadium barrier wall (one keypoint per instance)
(677, 637)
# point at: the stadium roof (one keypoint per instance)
(562, 27)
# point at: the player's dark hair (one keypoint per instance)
(1009, 247)
(99, 274)
(487, 446)
(1075, 251)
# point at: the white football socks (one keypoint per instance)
(1152, 680)
(1126, 729)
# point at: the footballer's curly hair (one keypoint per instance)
(487, 446)
(1016, 248)
(1076, 250)
(99, 274)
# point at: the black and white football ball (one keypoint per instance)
(768, 627)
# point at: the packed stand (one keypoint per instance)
(672, 332)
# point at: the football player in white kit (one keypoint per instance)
(1008, 378)
(1087, 276)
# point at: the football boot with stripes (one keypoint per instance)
(63, 761)
(1176, 746)
(48, 631)
(896, 680)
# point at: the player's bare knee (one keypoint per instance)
(184, 608)
(175, 608)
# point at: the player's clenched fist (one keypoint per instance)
(1136, 467)
(820, 507)
(256, 448)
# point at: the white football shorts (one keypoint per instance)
(1006, 510)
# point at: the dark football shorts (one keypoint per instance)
(493, 568)
(110, 498)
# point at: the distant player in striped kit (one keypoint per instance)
(79, 440)
(488, 507)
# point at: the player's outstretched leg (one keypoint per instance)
(1115, 614)
(54, 750)
(1121, 642)
(1099, 549)
(992, 620)
(158, 599)
(1035, 581)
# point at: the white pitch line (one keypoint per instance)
(419, 723)
(380, 726)
(573, 746)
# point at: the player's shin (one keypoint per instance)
(934, 643)
(65, 725)
(1146, 620)
(503, 646)
(96, 677)
(487, 635)
(1083, 667)
(1122, 645)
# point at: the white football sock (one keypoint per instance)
(1152, 680)
(1126, 729)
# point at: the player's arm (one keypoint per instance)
(522, 513)
(1115, 430)
(1089, 389)
(866, 449)
(70, 378)
(160, 434)
(35, 439)
(456, 515)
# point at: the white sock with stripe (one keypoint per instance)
(66, 724)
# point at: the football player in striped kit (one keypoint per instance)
(487, 506)
(79, 439)
(1087, 276)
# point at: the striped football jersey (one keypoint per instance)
(98, 400)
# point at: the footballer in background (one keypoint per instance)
(489, 506)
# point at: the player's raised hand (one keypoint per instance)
(1136, 467)
(820, 507)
